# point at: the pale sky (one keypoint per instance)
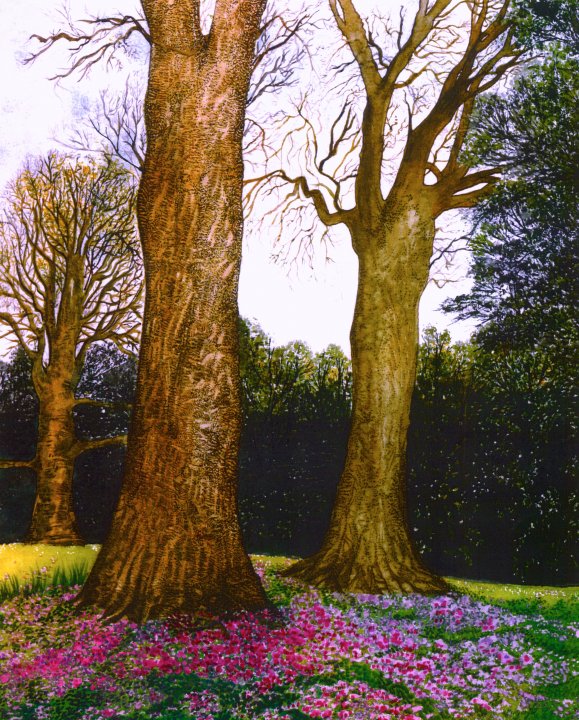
(298, 302)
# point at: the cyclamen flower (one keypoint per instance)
(47, 651)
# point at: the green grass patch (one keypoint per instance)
(567, 648)
(21, 561)
(503, 594)
(34, 568)
(37, 582)
(31, 569)
(567, 689)
(555, 696)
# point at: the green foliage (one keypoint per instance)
(540, 22)
(518, 439)
(524, 235)
(547, 709)
(290, 381)
(436, 633)
(567, 689)
(543, 639)
(491, 454)
(173, 688)
(538, 711)
(278, 590)
(74, 703)
(296, 407)
(18, 407)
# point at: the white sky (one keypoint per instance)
(313, 305)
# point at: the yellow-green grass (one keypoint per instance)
(502, 592)
(21, 561)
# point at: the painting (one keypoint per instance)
(287, 343)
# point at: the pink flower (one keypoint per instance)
(481, 703)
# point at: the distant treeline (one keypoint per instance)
(491, 453)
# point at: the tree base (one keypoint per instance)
(339, 573)
(141, 610)
(151, 585)
(63, 539)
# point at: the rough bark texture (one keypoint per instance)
(53, 520)
(368, 548)
(175, 544)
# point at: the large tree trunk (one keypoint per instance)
(53, 520)
(175, 543)
(368, 548)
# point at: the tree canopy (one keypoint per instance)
(69, 259)
(524, 236)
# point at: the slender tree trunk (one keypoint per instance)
(175, 543)
(53, 519)
(368, 548)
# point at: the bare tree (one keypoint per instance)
(70, 276)
(416, 83)
(175, 543)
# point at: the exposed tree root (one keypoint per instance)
(336, 571)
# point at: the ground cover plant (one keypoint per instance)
(312, 655)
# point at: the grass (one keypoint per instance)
(504, 593)
(553, 603)
(32, 569)
(20, 561)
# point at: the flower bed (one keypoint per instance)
(318, 655)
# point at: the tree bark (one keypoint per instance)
(53, 519)
(368, 548)
(175, 543)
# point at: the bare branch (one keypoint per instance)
(273, 70)
(300, 184)
(7, 464)
(118, 125)
(14, 326)
(435, 67)
(69, 261)
(106, 36)
(81, 446)
(352, 28)
(448, 251)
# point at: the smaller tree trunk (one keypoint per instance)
(368, 548)
(53, 519)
